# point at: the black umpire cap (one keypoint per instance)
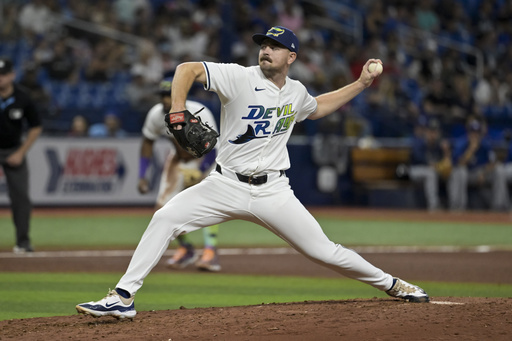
(5, 66)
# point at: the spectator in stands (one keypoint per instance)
(42, 52)
(430, 161)
(39, 95)
(107, 57)
(437, 102)
(463, 103)
(30, 81)
(187, 40)
(149, 63)
(426, 18)
(111, 127)
(375, 20)
(242, 51)
(9, 30)
(475, 165)
(140, 95)
(79, 127)
(290, 14)
(126, 10)
(61, 66)
(429, 62)
(35, 19)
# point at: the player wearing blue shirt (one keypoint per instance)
(475, 165)
(430, 160)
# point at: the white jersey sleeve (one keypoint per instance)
(154, 125)
(228, 80)
(309, 103)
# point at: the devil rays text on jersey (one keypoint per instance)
(261, 118)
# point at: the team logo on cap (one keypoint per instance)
(165, 85)
(275, 31)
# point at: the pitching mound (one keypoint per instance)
(375, 319)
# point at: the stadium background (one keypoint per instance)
(447, 59)
(85, 55)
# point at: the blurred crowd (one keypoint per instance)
(95, 56)
(94, 65)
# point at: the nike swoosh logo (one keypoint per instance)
(109, 305)
(256, 89)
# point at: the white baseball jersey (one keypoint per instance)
(261, 117)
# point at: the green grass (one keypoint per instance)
(56, 294)
(125, 232)
(24, 295)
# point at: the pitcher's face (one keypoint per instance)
(274, 56)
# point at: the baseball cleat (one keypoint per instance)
(111, 305)
(22, 249)
(209, 261)
(184, 256)
(407, 291)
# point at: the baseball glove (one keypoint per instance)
(444, 168)
(191, 176)
(193, 135)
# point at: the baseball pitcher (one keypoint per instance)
(260, 106)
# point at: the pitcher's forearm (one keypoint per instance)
(186, 74)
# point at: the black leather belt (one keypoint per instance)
(251, 180)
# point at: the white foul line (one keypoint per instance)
(250, 251)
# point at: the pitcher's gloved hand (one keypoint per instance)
(196, 137)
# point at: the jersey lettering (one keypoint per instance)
(261, 120)
(261, 126)
(268, 113)
(283, 124)
(255, 113)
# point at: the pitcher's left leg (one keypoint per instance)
(290, 220)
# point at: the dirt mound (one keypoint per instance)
(368, 319)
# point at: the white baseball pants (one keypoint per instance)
(272, 205)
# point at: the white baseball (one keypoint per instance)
(375, 66)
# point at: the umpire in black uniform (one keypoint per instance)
(17, 113)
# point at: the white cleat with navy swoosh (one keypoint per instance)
(111, 305)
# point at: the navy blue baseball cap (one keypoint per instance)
(165, 85)
(280, 34)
